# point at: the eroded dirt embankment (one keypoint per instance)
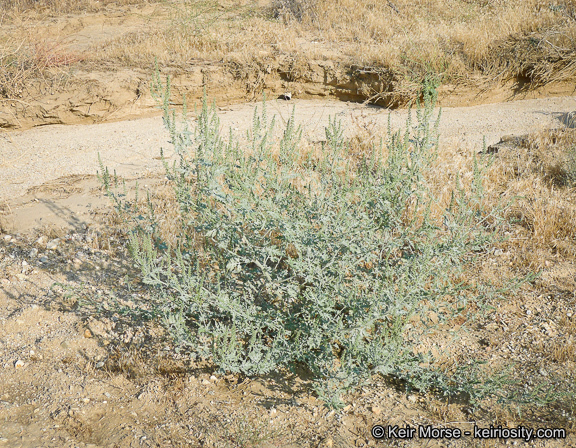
(93, 95)
(79, 69)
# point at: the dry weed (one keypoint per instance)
(29, 59)
(399, 42)
(57, 7)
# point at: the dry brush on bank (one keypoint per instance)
(381, 50)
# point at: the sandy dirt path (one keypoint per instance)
(132, 148)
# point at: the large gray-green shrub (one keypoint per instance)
(286, 259)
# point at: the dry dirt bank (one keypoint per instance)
(97, 94)
(80, 68)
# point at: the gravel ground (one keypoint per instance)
(132, 148)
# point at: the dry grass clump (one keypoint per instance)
(533, 188)
(30, 59)
(564, 348)
(540, 57)
(182, 32)
(52, 7)
(545, 211)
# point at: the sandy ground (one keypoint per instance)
(132, 148)
(76, 372)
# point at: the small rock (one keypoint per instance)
(107, 394)
(412, 398)
(376, 410)
(328, 443)
(99, 364)
(19, 364)
(24, 263)
(8, 238)
(33, 253)
(498, 252)
(43, 259)
(86, 400)
(273, 411)
(53, 244)
(213, 378)
(41, 241)
(87, 333)
(288, 96)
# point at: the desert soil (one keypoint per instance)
(76, 371)
(31, 160)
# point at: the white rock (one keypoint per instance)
(53, 244)
(19, 364)
(41, 241)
